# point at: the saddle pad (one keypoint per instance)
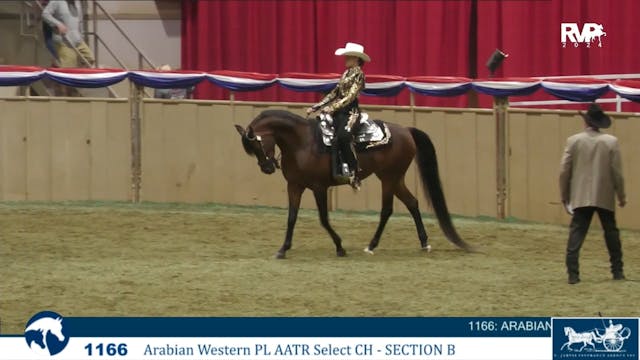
(369, 133)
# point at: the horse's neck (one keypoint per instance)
(288, 136)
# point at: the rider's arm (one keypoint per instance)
(327, 99)
(355, 83)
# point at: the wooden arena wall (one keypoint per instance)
(80, 149)
(64, 149)
(191, 152)
(536, 142)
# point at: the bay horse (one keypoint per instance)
(305, 166)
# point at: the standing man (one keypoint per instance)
(65, 17)
(590, 177)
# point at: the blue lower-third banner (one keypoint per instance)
(51, 335)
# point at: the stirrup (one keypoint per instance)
(355, 183)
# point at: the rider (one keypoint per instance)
(613, 329)
(342, 104)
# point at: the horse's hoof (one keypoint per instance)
(341, 253)
(280, 255)
(427, 248)
(368, 251)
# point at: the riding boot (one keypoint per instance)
(354, 180)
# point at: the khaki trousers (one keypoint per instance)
(69, 58)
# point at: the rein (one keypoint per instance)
(274, 160)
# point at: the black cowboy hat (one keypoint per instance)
(596, 117)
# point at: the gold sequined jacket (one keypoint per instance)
(346, 92)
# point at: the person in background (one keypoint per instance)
(65, 17)
(590, 177)
(175, 94)
(47, 32)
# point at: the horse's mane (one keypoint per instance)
(287, 119)
(282, 114)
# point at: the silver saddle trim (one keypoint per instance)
(368, 133)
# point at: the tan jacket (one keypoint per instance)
(591, 171)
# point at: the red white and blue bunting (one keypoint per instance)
(304, 82)
(576, 89)
(383, 85)
(167, 79)
(241, 81)
(20, 75)
(506, 86)
(86, 78)
(438, 85)
(628, 89)
(573, 89)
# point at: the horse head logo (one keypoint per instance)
(38, 330)
(595, 31)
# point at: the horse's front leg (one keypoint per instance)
(295, 193)
(323, 211)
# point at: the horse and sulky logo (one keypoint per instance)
(595, 338)
(45, 334)
(577, 36)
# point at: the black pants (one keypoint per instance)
(578, 230)
(344, 138)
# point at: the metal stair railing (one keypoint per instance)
(97, 8)
(142, 58)
(98, 40)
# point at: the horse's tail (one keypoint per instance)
(428, 166)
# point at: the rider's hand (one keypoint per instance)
(326, 109)
(622, 203)
(310, 110)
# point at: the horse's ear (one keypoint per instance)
(250, 133)
(240, 130)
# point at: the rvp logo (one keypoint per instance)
(590, 31)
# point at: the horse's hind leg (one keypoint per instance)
(411, 203)
(385, 213)
(321, 202)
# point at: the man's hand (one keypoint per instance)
(62, 29)
(326, 110)
(567, 207)
(622, 203)
(310, 110)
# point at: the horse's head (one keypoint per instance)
(262, 145)
(56, 328)
(567, 330)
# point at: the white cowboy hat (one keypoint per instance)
(353, 49)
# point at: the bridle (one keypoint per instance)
(267, 160)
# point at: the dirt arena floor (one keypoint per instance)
(117, 259)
